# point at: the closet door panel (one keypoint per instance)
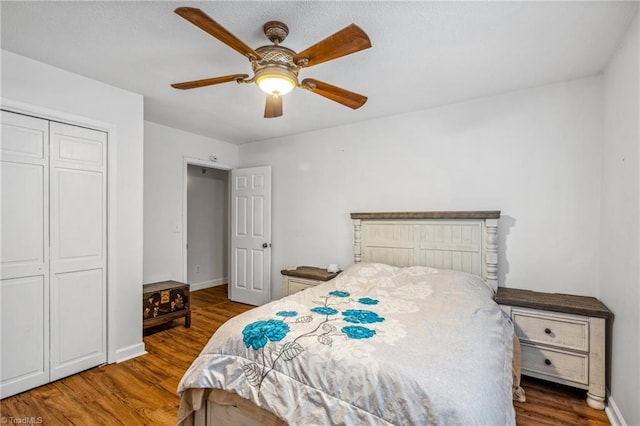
(23, 219)
(24, 254)
(77, 231)
(77, 301)
(24, 173)
(25, 337)
(24, 137)
(78, 249)
(84, 148)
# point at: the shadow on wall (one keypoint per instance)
(504, 228)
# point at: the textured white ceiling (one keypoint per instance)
(424, 54)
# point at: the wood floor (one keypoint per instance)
(142, 391)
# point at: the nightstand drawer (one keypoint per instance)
(563, 331)
(304, 277)
(296, 285)
(555, 364)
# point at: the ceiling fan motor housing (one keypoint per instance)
(276, 31)
(276, 61)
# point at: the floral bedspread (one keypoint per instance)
(377, 345)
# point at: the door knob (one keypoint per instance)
(265, 245)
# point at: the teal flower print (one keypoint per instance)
(287, 314)
(358, 332)
(339, 293)
(358, 316)
(257, 334)
(368, 301)
(324, 310)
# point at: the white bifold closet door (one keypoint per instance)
(53, 257)
(24, 255)
(78, 230)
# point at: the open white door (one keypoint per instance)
(250, 269)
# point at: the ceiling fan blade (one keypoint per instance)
(209, 81)
(348, 40)
(273, 106)
(205, 23)
(337, 94)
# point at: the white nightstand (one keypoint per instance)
(303, 277)
(562, 338)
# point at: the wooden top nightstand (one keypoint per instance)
(555, 302)
(310, 272)
(303, 277)
(562, 338)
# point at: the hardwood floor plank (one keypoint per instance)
(552, 404)
(112, 408)
(142, 391)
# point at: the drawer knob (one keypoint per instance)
(547, 330)
(547, 361)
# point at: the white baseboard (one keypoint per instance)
(207, 284)
(130, 352)
(613, 413)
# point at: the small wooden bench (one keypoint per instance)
(164, 302)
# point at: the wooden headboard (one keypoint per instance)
(464, 241)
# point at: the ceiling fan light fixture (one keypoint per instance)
(276, 80)
(276, 67)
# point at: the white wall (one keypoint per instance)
(69, 95)
(165, 149)
(533, 154)
(207, 226)
(619, 286)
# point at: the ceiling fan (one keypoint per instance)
(276, 67)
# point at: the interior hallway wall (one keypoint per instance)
(207, 226)
(165, 150)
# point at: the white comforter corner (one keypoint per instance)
(377, 345)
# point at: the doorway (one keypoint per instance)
(207, 226)
(247, 252)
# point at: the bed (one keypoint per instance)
(409, 334)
